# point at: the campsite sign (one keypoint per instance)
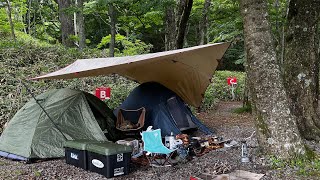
(232, 81)
(103, 93)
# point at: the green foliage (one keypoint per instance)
(74, 38)
(120, 89)
(22, 40)
(277, 163)
(244, 109)
(226, 21)
(224, 25)
(17, 172)
(4, 23)
(277, 14)
(37, 173)
(18, 9)
(29, 58)
(126, 47)
(303, 166)
(234, 58)
(219, 89)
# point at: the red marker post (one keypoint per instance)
(103, 93)
(232, 81)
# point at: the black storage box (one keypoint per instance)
(76, 154)
(109, 159)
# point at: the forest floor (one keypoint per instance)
(222, 120)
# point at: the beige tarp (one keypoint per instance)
(187, 71)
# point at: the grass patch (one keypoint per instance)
(37, 173)
(17, 172)
(244, 109)
(303, 166)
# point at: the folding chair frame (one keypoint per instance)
(154, 156)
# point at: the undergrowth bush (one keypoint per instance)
(219, 89)
(22, 60)
(303, 167)
(119, 92)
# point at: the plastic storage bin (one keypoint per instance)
(76, 154)
(109, 159)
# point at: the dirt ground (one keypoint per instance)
(222, 120)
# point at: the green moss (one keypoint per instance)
(309, 154)
(304, 165)
(263, 127)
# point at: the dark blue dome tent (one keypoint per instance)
(164, 109)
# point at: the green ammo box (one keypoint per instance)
(76, 154)
(109, 159)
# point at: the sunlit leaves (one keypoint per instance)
(124, 46)
(18, 9)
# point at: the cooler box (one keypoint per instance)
(76, 154)
(109, 159)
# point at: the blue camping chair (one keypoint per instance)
(153, 146)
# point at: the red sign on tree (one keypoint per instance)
(103, 93)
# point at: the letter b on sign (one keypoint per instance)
(103, 93)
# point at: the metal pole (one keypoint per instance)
(232, 91)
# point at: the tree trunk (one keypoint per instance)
(246, 93)
(204, 22)
(113, 30)
(9, 12)
(29, 16)
(75, 21)
(185, 40)
(170, 32)
(181, 4)
(277, 131)
(183, 23)
(301, 65)
(66, 20)
(80, 19)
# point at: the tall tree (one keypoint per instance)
(204, 22)
(80, 21)
(301, 65)
(182, 24)
(276, 126)
(112, 17)
(9, 12)
(29, 16)
(170, 28)
(66, 20)
(177, 13)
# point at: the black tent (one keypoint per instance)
(164, 109)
